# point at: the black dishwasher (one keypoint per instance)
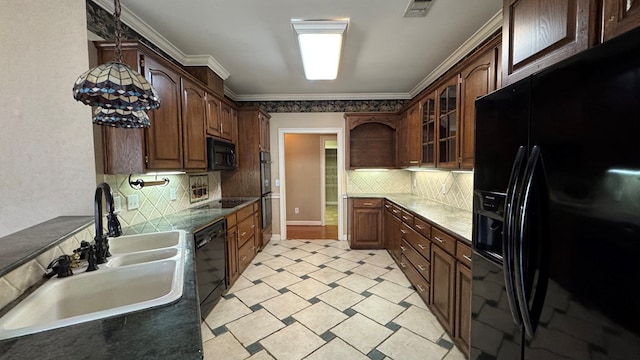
(210, 265)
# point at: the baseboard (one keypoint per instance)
(275, 237)
(331, 203)
(316, 223)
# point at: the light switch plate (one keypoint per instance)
(277, 182)
(132, 202)
(172, 194)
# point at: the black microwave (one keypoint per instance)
(221, 155)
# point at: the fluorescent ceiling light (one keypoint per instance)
(320, 43)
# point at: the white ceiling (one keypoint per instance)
(251, 44)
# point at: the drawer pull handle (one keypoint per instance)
(395, 211)
(466, 257)
(245, 233)
(253, 226)
(403, 248)
(387, 206)
(405, 217)
(243, 259)
(402, 231)
(403, 265)
(422, 268)
(422, 246)
(441, 241)
(367, 204)
(420, 288)
(420, 227)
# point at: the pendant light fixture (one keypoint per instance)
(122, 96)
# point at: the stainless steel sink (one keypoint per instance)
(145, 271)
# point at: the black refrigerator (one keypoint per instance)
(556, 223)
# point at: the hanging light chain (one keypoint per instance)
(118, 29)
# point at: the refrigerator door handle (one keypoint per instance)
(508, 261)
(530, 316)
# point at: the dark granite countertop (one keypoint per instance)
(455, 221)
(170, 331)
(22, 246)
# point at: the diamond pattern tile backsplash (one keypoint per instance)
(458, 187)
(372, 182)
(155, 201)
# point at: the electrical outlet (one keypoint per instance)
(132, 202)
(172, 194)
(415, 182)
(117, 204)
(296, 210)
(277, 182)
(443, 189)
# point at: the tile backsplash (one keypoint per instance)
(451, 188)
(155, 201)
(372, 182)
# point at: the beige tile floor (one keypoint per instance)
(319, 300)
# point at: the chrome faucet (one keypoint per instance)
(113, 225)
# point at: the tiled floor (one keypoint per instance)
(319, 300)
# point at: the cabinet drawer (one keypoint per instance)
(422, 227)
(367, 203)
(244, 212)
(444, 241)
(388, 206)
(406, 217)
(419, 243)
(422, 266)
(256, 206)
(245, 254)
(396, 211)
(463, 253)
(246, 229)
(421, 285)
(231, 220)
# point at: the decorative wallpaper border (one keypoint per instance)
(313, 106)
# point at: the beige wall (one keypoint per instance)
(46, 142)
(303, 178)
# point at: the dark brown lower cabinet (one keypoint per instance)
(443, 275)
(242, 232)
(392, 233)
(365, 223)
(463, 308)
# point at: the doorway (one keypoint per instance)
(288, 216)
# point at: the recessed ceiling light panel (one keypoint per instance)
(320, 43)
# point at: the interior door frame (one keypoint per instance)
(339, 133)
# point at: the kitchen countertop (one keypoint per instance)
(170, 331)
(453, 220)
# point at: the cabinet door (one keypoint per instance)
(234, 126)
(392, 237)
(193, 126)
(164, 136)
(226, 126)
(462, 331)
(213, 115)
(443, 272)
(413, 139)
(619, 17)
(477, 79)
(366, 224)
(447, 118)
(232, 255)
(539, 33)
(402, 144)
(428, 133)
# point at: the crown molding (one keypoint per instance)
(488, 29)
(149, 33)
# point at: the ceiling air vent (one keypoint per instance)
(418, 8)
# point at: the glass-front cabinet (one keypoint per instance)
(447, 153)
(429, 130)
